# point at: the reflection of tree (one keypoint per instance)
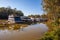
(17, 26)
(13, 26)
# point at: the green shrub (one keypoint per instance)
(53, 35)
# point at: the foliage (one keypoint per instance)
(44, 16)
(53, 35)
(52, 8)
(4, 12)
(34, 16)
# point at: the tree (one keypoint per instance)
(4, 12)
(34, 16)
(44, 16)
(52, 8)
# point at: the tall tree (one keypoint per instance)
(52, 8)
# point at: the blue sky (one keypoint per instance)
(28, 7)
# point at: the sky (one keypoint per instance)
(28, 7)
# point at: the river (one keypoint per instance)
(32, 32)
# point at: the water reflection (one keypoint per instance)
(13, 26)
(32, 32)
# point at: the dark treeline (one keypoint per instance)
(34, 16)
(38, 16)
(5, 12)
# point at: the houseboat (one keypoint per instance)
(18, 19)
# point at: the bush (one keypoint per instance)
(53, 35)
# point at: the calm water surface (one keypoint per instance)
(32, 32)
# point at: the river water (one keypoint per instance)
(32, 32)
